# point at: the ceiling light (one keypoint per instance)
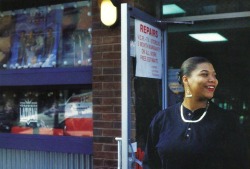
(171, 9)
(208, 37)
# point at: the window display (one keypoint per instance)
(55, 112)
(47, 36)
(45, 55)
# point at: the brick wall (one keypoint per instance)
(106, 90)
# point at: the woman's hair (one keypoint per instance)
(190, 65)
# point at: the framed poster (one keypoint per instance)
(48, 36)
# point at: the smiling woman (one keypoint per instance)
(196, 133)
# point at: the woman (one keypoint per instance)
(195, 134)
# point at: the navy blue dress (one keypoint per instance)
(215, 142)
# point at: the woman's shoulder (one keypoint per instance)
(168, 111)
(163, 116)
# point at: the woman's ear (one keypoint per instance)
(185, 80)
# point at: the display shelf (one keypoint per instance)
(63, 144)
(46, 76)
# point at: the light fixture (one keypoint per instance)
(208, 37)
(108, 13)
(172, 9)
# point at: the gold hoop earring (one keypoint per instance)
(188, 93)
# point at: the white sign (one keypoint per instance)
(28, 110)
(148, 50)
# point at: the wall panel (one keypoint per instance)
(23, 159)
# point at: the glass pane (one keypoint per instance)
(64, 112)
(230, 59)
(46, 36)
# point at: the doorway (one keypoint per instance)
(230, 58)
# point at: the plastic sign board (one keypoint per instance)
(148, 50)
(173, 82)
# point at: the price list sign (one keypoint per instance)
(148, 50)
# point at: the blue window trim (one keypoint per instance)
(46, 76)
(62, 144)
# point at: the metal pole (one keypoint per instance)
(125, 86)
(119, 149)
(164, 71)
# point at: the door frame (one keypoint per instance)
(128, 12)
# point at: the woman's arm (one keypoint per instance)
(151, 158)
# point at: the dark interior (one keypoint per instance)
(230, 58)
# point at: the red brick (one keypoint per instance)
(111, 71)
(106, 155)
(103, 109)
(104, 93)
(111, 101)
(117, 63)
(112, 117)
(117, 93)
(96, 40)
(117, 47)
(97, 101)
(104, 78)
(110, 163)
(113, 133)
(103, 63)
(112, 86)
(97, 71)
(117, 109)
(117, 78)
(117, 124)
(97, 86)
(98, 162)
(103, 124)
(98, 132)
(112, 40)
(110, 147)
(112, 55)
(103, 48)
(101, 139)
(97, 116)
(106, 31)
(98, 147)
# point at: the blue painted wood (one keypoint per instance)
(46, 76)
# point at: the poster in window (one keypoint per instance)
(6, 28)
(76, 40)
(52, 36)
(9, 115)
(28, 39)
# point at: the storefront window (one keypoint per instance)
(47, 36)
(65, 112)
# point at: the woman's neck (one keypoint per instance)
(193, 105)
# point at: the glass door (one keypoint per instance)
(229, 56)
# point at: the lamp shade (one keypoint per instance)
(108, 13)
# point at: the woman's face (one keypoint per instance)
(202, 82)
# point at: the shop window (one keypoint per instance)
(47, 112)
(46, 76)
(46, 36)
